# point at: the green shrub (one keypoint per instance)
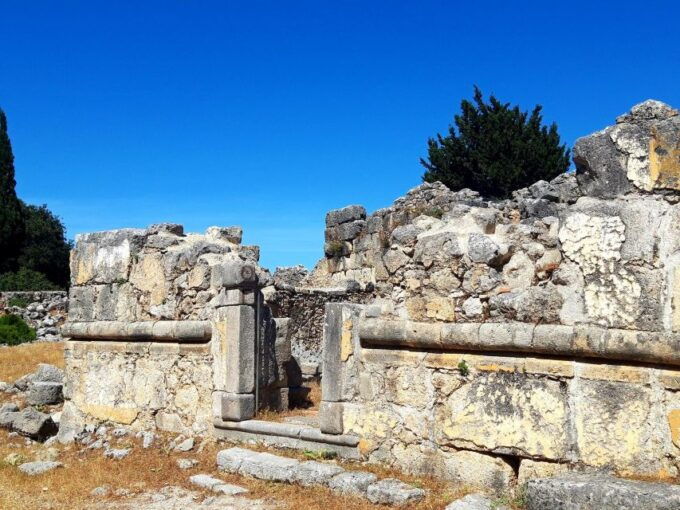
(14, 331)
(335, 249)
(17, 301)
(464, 369)
(25, 279)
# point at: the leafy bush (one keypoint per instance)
(17, 301)
(14, 331)
(495, 149)
(25, 279)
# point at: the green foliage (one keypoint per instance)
(17, 301)
(31, 237)
(25, 279)
(335, 248)
(320, 454)
(463, 368)
(14, 331)
(45, 248)
(11, 221)
(495, 149)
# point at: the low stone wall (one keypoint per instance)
(491, 418)
(45, 311)
(170, 331)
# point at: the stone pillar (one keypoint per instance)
(341, 348)
(233, 350)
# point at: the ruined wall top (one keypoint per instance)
(599, 246)
(160, 273)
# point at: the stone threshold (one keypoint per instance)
(159, 331)
(287, 435)
(578, 341)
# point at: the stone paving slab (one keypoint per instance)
(266, 466)
(601, 492)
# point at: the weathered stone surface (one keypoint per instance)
(216, 485)
(315, 473)
(44, 393)
(474, 502)
(352, 482)
(391, 491)
(39, 467)
(34, 424)
(473, 469)
(507, 413)
(344, 215)
(586, 492)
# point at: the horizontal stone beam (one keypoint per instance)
(579, 341)
(159, 331)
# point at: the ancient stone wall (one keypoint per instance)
(45, 311)
(169, 330)
(292, 296)
(519, 337)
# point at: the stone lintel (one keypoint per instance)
(157, 331)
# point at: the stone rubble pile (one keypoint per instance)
(44, 311)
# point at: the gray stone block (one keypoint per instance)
(233, 349)
(117, 453)
(391, 491)
(216, 485)
(39, 467)
(330, 417)
(233, 274)
(48, 373)
(45, 393)
(34, 424)
(601, 492)
(352, 482)
(344, 215)
(266, 466)
(230, 460)
(315, 473)
(7, 418)
(232, 234)
(238, 407)
(475, 502)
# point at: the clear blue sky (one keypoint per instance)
(268, 114)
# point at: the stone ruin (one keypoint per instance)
(487, 342)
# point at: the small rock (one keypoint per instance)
(147, 439)
(48, 373)
(117, 453)
(44, 393)
(102, 431)
(352, 482)
(9, 408)
(39, 467)
(216, 485)
(14, 459)
(315, 473)
(391, 491)
(186, 463)
(120, 432)
(100, 492)
(185, 446)
(48, 454)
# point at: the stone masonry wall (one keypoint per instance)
(521, 338)
(45, 311)
(163, 331)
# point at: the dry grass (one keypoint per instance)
(23, 359)
(143, 470)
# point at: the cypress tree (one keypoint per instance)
(495, 149)
(11, 220)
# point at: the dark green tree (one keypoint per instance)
(11, 221)
(45, 248)
(495, 149)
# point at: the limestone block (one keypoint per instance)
(344, 215)
(349, 231)
(312, 473)
(233, 274)
(340, 341)
(601, 492)
(81, 303)
(518, 273)
(391, 491)
(330, 417)
(603, 414)
(480, 279)
(474, 469)
(511, 336)
(405, 235)
(507, 413)
(229, 234)
(530, 469)
(437, 247)
(237, 407)
(103, 257)
(395, 259)
(483, 249)
(352, 482)
(233, 349)
(148, 276)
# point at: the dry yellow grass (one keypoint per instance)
(23, 359)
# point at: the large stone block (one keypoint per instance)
(473, 469)
(233, 349)
(507, 413)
